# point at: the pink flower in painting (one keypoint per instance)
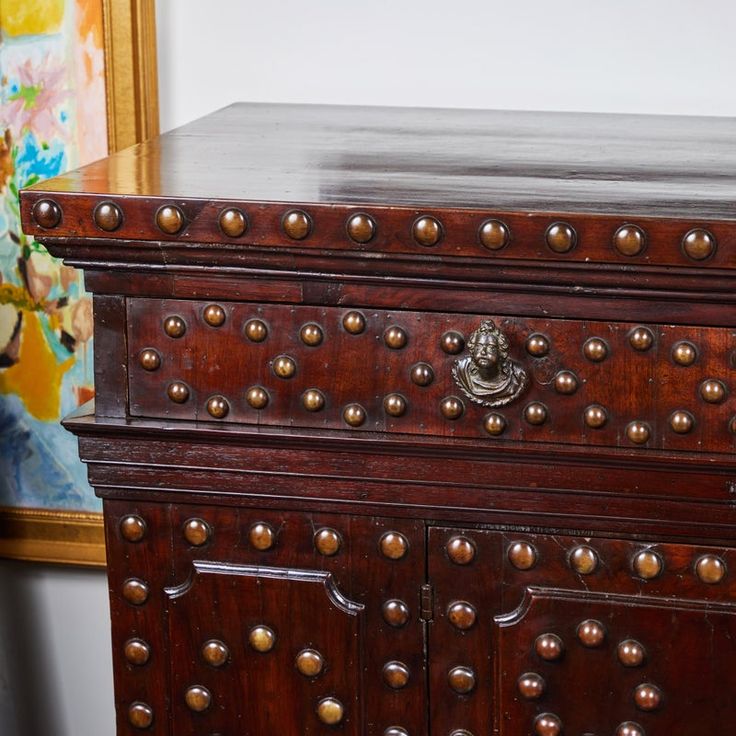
(41, 89)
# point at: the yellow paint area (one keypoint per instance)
(36, 377)
(31, 17)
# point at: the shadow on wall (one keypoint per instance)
(55, 673)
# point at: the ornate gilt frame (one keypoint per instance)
(73, 537)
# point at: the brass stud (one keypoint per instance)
(560, 237)
(354, 323)
(393, 545)
(313, 400)
(595, 349)
(641, 339)
(684, 353)
(395, 731)
(178, 392)
(629, 728)
(108, 216)
(460, 550)
(522, 555)
(547, 724)
(494, 424)
(149, 359)
(361, 228)
(330, 711)
(262, 536)
(531, 686)
(699, 244)
(452, 407)
(395, 337)
(256, 330)
(215, 653)
(591, 633)
(137, 652)
(46, 213)
(549, 647)
(395, 613)
(629, 240)
(584, 560)
(197, 698)
(217, 407)
(297, 224)
(311, 334)
(647, 697)
(310, 663)
(214, 315)
(537, 345)
(426, 231)
(461, 680)
(132, 528)
(712, 391)
(461, 732)
(732, 425)
(493, 234)
(232, 222)
(354, 415)
(595, 416)
(175, 326)
(535, 413)
(197, 532)
(170, 219)
(638, 432)
(284, 366)
(462, 615)
(422, 374)
(631, 653)
(327, 542)
(452, 342)
(648, 565)
(135, 591)
(396, 675)
(140, 715)
(257, 397)
(262, 639)
(682, 422)
(566, 382)
(394, 405)
(710, 569)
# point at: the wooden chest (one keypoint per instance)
(414, 422)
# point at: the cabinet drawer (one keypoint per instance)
(617, 384)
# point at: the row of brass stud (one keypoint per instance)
(493, 234)
(452, 408)
(262, 536)
(452, 342)
(584, 560)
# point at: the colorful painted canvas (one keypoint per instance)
(52, 118)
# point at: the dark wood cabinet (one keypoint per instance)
(413, 422)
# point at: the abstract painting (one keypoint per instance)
(52, 118)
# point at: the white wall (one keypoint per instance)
(659, 56)
(55, 667)
(665, 56)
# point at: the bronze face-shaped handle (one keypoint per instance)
(487, 375)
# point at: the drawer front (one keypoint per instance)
(616, 384)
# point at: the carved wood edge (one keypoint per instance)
(58, 537)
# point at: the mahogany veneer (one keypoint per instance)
(413, 422)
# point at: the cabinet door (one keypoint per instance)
(556, 634)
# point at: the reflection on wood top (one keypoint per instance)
(660, 166)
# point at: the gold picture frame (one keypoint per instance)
(131, 82)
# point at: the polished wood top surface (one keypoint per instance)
(657, 166)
